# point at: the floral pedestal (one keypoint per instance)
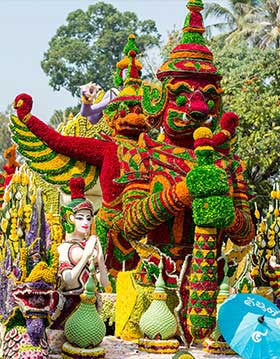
(158, 346)
(69, 351)
(56, 339)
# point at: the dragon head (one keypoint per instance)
(127, 117)
(34, 300)
(23, 105)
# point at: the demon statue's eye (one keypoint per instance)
(122, 113)
(181, 100)
(211, 104)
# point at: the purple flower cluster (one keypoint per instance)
(35, 330)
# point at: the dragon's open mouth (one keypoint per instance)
(33, 300)
(132, 122)
(131, 126)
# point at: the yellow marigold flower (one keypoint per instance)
(4, 224)
(27, 208)
(16, 178)
(109, 288)
(13, 212)
(254, 271)
(257, 214)
(273, 194)
(159, 296)
(161, 137)
(202, 132)
(13, 237)
(25, 180)
(7, 197)
(262, 227)
(20, 212)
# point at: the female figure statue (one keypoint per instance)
(76, 252)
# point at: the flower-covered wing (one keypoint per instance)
(53, 167)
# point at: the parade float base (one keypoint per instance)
(118, 348)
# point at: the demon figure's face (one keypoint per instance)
(125, 113)
(129, 120)
(191, 104)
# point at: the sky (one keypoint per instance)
(27, 26)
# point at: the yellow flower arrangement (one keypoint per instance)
(132, 301)
(42, 272)
(271, 238)
(27, 209)
(126, 299)
(56, 234)
(2, 248)
(20, 211)
(13, 235)
(22, 263)
(16, 178)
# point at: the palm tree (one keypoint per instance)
(266, 33)
(234, 21)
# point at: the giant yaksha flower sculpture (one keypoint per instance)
(158, 202)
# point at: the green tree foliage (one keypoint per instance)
(174, 38)
(88, 47)
(5, 136)
(251, 89)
